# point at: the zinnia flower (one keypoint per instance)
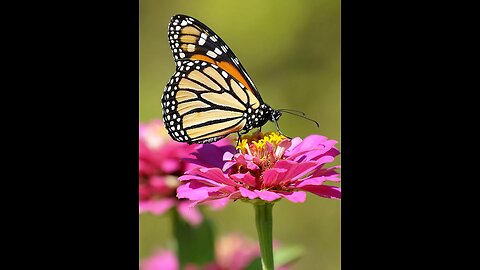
(268, 167)
(160, 164)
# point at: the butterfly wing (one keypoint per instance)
(192, 40)
(203, 103)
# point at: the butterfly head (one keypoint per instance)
(275, 115)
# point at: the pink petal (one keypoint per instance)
(214, 174)
(192, 191)
(330, 192)
(327, 172)
(162, 259)
(156, 207)
(296, 196)
(218, 203)
(190, 214)
(247, 193)
(309, 142)
(210, 155)
(316, 181)
(267, 195)
(170, 165)
(296, 170)
(246, 178)
(273, 176)
(227, 156)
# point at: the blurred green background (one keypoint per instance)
(291, 50)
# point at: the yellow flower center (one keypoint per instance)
(261, 145)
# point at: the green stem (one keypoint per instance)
(194, 244)
(263, 219)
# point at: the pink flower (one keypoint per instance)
(161, 260)
(232, 252)
(160, 164)
(269, 167)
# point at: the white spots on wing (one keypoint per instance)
(235, 60)
(212, 54)
(201, 41)
(224, 74)
(182, 55)
(179, 63)
(224, 48)
(197, 67)
(191, 48)
(217, 51)
(184, 22)
(190, 19)
(213, 38)
(189, 64)
(203, 35)
(214, 66)
(177, 28)
(187, 68)
(175, 36)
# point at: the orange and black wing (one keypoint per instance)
(203, 103)
(192, 40)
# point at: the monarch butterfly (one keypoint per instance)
(210, 95)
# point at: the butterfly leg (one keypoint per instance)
(240, 133)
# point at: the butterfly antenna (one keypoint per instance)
(292, 111)
(278, 128)
(300, 115)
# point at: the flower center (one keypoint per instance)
(266, 148)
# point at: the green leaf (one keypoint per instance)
(194, 244)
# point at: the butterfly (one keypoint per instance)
(210, 95)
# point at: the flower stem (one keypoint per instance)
(263, 219)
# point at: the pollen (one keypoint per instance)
(257, 142)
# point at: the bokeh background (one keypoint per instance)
(291, 50)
